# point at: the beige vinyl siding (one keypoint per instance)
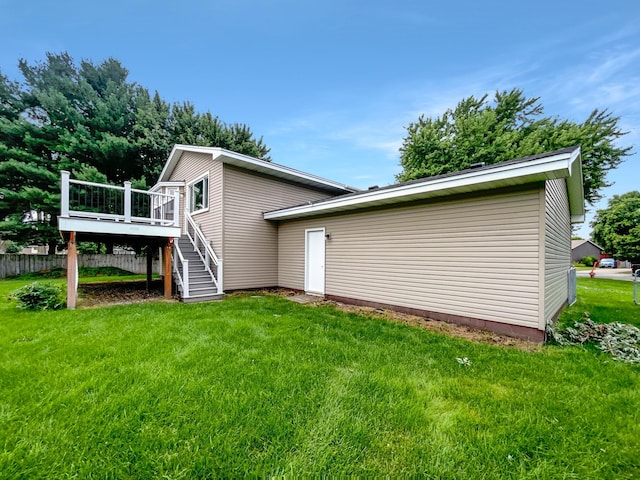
(190, 167)
(250, 242)
(557, 238)
(475, 257)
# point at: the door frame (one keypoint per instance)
(307, 258)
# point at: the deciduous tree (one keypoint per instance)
(617, 227)
(510, 127)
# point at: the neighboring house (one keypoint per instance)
(584, 248)
(35, 250)
(29, 250)
(488, 247)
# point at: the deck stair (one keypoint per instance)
(202, 287)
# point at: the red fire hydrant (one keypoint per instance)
(592, 273)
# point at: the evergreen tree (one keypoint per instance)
(152, 134)
(189, 127)
(29, 185)
(68, 117)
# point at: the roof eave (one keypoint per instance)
(254, 164)
(270, 168)
(159, 185)
(561, 165)
(575, 187)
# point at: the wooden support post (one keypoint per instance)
(166, 259)
(72, 271)
(149, 267)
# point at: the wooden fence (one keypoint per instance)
(16, 264)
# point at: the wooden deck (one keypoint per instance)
(92, 210)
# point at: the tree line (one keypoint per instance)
(89, 118)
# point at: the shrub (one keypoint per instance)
(102, 272)
(11, 247)
(588, 261)
(38, 296)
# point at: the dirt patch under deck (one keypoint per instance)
(118, 293)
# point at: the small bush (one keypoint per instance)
(55, 272)
(38, 296)
(103, 272)
(588, 261)
(12, 247)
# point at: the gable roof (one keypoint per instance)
(253, 164)
(563, 163)
(577, 243)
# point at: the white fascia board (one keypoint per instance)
(176, 153)
(170, 164)
(545, 168)
(250, 163)
(67, 224)
(575, 188)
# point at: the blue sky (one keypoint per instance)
(330, 85)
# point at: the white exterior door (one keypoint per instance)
(314, 260)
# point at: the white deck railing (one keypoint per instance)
(116, 203)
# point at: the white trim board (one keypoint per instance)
(66, 224)
(254, 164)
(307, 282)
(565, 164)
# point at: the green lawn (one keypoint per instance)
(607, 301)
(260, 386)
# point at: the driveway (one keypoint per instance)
(611, 273)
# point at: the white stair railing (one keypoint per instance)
(181, 269)
(202, 246)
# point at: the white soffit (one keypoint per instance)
(253, 164)
(562, 164)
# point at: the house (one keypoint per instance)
(487, 247)
(225, 196)
(584, 248)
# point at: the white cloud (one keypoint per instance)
(612, 64)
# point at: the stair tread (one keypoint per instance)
(201, 286)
